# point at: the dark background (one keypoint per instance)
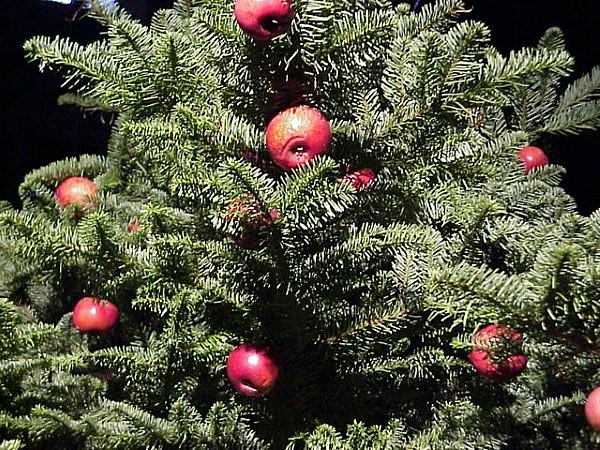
(34, 131)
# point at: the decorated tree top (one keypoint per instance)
(302, 220)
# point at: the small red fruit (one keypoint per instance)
(264, 19)
(252, 370)
(94, 315)
(359, 179)
(254, 224)
(592, 409)
(133, 225)
(532, 157)
(78, 191)
(491, 341)
(296, 135)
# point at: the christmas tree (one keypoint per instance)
(319, 224)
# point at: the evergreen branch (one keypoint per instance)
(211, 28)
(147, 430)
(544, 410)
(226, 427)
(12, 444)
(61, 51)
(370, 326)
(553, 39)
(574, 119)
(466, 44)
(535, 103)
(210, 349)
(164, 21)
(358, 437)
(158, 295)
(123, 31)
(96, 236)
(371, 125)
(183, 8)
(64, 363)
(232, 295)
(233, 129)
(370, 240)
(562, 278)
(455, 426)
(427, 66)
(366, 27)
(411, 269)
(38, 337)
(432, 17)
(299, 185)
(50, 175)
(133, 360)
(314, 30)
(420, 365)
(86, 102)
(35, 237)
(10, 320)
(46, 421)
(580, 91)
(503, 72)
(500, 74)
(478, 294)
(242, 176)
(464, 146)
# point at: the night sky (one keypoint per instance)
(34, 131)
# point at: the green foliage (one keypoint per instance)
(368, 297)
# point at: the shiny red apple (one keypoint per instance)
(592, 409)
(532, 157)
(252, 369)
(263, 19)
(493, 338)
(359, 179)
(78, 191)
(296, 135)
(94, 315)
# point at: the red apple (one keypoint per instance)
(359, 179)
(252, 370)
(264, 19)
(94, 315)
(296, 135)
(532, 157)
(592, 409)
(494, 338)
(78, 191)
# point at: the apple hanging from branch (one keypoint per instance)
(592, 409)
(92, 315)
(497, 352)
(252, 369)
(79, 191)
(264, 19)
(532, 157)
(296, 135)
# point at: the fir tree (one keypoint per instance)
(366, 289)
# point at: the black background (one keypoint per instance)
(35, 131)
